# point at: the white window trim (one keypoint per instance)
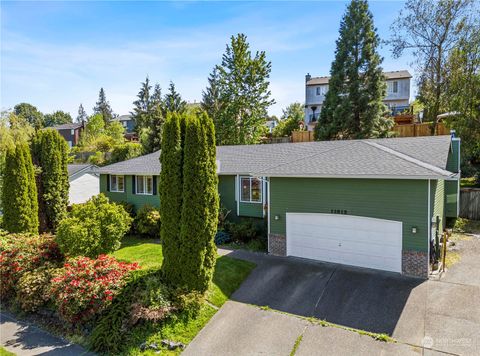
(144, 185)
(240, 190)
(111, 185)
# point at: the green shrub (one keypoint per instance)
(23, 253)
(33, 289)
(93, 228)
(98, 158)
(147, 221)
(244, 231)
(126, 151)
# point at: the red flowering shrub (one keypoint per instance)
(86, 286)
(21, 253)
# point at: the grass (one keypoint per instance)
(296, 345)
(467, 226)
(4, 352)
(229, 274)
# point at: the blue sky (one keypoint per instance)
(56, 55)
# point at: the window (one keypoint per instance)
(392, 87)
(117, 184)
(251, 190)
(322, 90)
(144, 185)
(318, 90)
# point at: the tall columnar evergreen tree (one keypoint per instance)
(82, 114)
(238, 95)
(171, 194)
(50, 154)
(189, 209)
(173, 100)
(19, 192)
(353, 106)
(102, 106)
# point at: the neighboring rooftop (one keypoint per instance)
(123, 118)
(77, 168)
(398, 74)
(69, 126)
(410, 157)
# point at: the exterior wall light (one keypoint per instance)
(414, 230)
(277, 217)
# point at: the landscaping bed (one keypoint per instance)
(113, 319)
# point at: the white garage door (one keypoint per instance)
(346, 239)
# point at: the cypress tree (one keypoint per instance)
(171, 190)
(50, 154)
(353, 106)
(19, 193)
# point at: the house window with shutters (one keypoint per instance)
(144, 185)
(117, 184)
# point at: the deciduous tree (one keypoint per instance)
(30, 114)
(57, 118)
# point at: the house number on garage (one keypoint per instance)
(338, 211)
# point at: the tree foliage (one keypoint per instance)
(188, 228)
(430, 30)
(30, 114)
(353, 106)
(20, 214)
(93, 228)
(238, 95)
(173, 100)
(82, 114)
(463, 96)
(57, 118)
(102, 106)
(290, 121)
(50, 154)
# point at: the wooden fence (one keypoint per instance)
(406, 130)
(302, 136)
(470, 203)
(412, 130)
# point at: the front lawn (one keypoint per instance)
(229, 274)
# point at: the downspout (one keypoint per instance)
(429, 226)
(268, 215)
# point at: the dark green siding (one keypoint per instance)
(127, 196)
(226, 189)
(398, 200)
(438, 201)
(451, 187)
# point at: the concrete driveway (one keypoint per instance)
(425, 317)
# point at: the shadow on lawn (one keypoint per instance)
(353, 297)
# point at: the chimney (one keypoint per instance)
(308, 77)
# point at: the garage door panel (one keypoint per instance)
(352, 240)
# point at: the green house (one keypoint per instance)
(378, 203)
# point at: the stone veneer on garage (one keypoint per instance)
(414, 263)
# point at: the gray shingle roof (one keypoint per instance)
(415, 157)
(397, 74)
(69, 126)
(76, 168)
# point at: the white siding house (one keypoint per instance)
(397, 98)
(84, 182)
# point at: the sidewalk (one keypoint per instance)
(24, 339)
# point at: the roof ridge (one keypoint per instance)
(408, 158)
(306, 157)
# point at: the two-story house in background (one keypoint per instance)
(71, 132)
(397, 98)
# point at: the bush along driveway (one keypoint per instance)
(291, 305)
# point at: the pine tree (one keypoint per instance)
(171, 190)
(102, 106)
(353, 106)
(142, 106)
(237, 96)
(82, 115)
(50, 154)
(20, 211)
(173, 100)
